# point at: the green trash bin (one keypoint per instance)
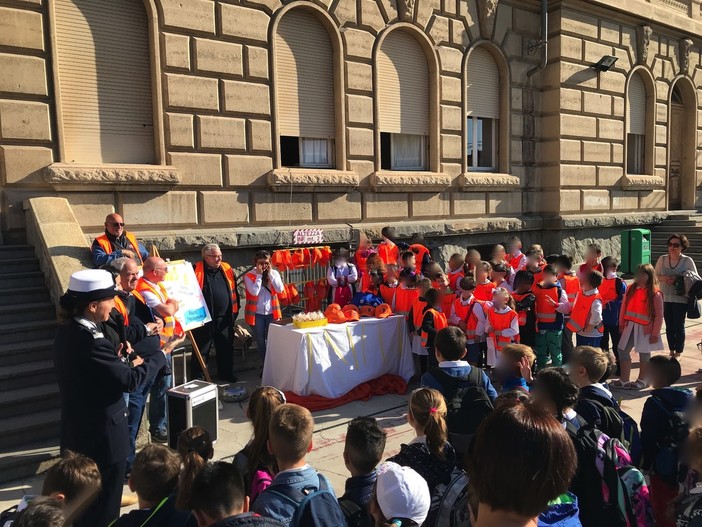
(636, 249)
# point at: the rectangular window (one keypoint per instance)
(635, 153)
(403, 151)
(482, 144)
(306, 152)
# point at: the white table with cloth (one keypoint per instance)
(332, 360)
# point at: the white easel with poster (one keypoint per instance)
(181, 284)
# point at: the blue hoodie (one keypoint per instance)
(562, 512)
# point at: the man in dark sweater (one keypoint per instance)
(218, 283)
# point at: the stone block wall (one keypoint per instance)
(586, 137)
(563, 152)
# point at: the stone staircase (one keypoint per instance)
(29, 396)
(687, 223)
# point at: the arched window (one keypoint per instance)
(403, 103)
(636, 125)
(104, 76)
(483, 111)
(305, 89)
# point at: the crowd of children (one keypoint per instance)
(514, 422)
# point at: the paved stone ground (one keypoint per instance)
(390, 410)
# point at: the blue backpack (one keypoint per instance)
(314, 506)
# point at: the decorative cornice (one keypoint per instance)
(487, 180)
(68, 176)
(487, 9)
(311, 180)
(684, 54)
(636, 181)
(396, 181)
(643, 39)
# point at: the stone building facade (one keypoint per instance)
(181, 115)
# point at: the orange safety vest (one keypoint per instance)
(440, 323)
(521, 315)
(500, 322)
(169, 322)
(418, 306)
(608, 290)
(538, 278)
(455, 277)
(580, 315)
(467, 314)
(389, 253)
(403, 300)
(514, 261)
(389, 294)
(419, 250)
(228, 274)
(636, 309)
(447, 298)
(106, 245)
(571, 284)
(545, 312)
(119, 306)
(252, 303)
(484, 291)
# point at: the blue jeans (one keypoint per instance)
(158, 418)
(136, 401)
(261, 334)
(587, 341)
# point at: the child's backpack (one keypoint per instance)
(617, 424)
(605, 498)
(449, 503)
(314, 506)
(356, 516)
(666, 465)
(467, 402)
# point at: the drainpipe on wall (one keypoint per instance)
(542, 42)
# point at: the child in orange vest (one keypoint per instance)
(406, 292)
(640, 322)
(502, 324)
(447, 294)
(468, 314)
(515, 258)
(586, 315)
(612, 291)
(387, 249)
(534, 266)
(408, 261)
(525, 300)
(483, 286)
(432, 322)
(388, 288)
(551, 302)
(455, 269)
(593, 253)
(571, 285)
(373, 276)
(414, 322)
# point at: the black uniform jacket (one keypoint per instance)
(92, 379)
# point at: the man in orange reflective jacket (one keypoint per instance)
(116, 243)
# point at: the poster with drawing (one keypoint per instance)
(181, 284)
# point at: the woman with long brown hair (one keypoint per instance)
(669, 271)
(640, 322)
(430, 453)
(195, 449)
(256, 463)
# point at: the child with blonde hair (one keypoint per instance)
(501, 324)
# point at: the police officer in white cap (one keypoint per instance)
(92, 376)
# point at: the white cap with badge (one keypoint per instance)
(91, 285)
(402, 493)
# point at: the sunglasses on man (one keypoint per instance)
(117, 224)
